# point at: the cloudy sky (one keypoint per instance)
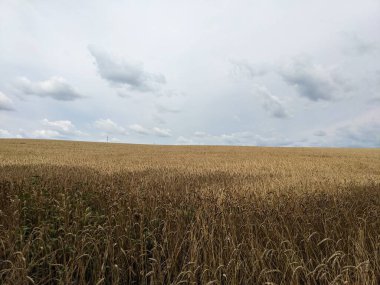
(237, 72)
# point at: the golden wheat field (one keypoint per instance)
(98, 213)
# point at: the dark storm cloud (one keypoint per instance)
(56, 88)
(122, 72)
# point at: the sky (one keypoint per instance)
(215, 72)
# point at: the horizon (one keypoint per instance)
(184, 145)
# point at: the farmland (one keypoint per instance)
(98, 213)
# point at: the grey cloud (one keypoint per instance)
(158, 119)
(374, 100)
(314, 82)
(5, 103)
(165, 109)
(362, 131)
(123, 94)
(275, 108)
(362, 48)
(173, 93)
(356, 45)
(56, 88)
(320, 133)
(362, 135)
(170, 93)
(121, 72)
(311, 81)
(272, 103)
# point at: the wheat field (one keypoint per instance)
(98, 213)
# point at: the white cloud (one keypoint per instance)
(200, 134)
(162, 132)
(56, 88)
(5, 134)
(139, 129)
(47, 134)
(62, 129)
(235, 138)
(156, 131)
(110, 127)
(63, 125)
(5, 103)
(222, 139)
(181, 140)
